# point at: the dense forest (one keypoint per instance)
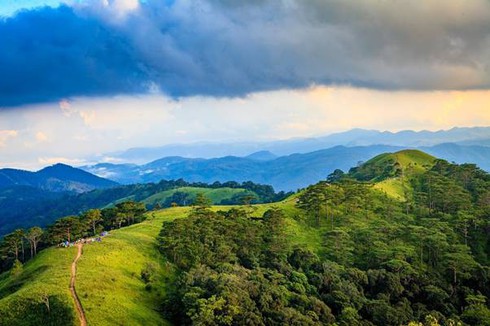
(380, 261)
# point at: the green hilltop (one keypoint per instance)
(389, 165)
(390, 172)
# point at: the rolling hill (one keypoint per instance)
(391, 172)
(391, 165)
(358, 257)
(37, 197)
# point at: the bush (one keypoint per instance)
(148, 272)
(17, 268)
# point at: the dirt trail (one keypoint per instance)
(78, 305)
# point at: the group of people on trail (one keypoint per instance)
(67, 244)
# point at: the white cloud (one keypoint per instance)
(126, 5)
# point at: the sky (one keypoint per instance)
(82, 78)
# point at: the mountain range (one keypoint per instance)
(43, 195)
(284, 173)
(356, 137)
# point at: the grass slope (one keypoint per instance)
(108, 278)
(394, 188)
(109, 282)
(108, 273)
(410, 160)
(21, 297)
(389, 171)
(215, 195)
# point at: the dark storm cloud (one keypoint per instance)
(52, 53)
(230, 48)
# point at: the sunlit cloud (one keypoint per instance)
(5, 135)
(41, 136)
(97, 127)
(44, 161)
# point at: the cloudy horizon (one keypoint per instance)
(84, 78)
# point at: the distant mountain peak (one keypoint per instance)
(58, 166)
(262, 156)
(58, 177)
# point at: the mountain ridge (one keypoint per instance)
(289, 172)
(55, 178)
(350, 138)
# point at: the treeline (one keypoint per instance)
(46, 206)
(138, 192)
(380, 261)
(21, 245)
(388, 168)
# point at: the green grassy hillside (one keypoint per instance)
(216, 196)
(45, 279)
(412, 157)
(109, 274)
(390, 165)
(390, 171)
(109, 281)
(395, 188)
